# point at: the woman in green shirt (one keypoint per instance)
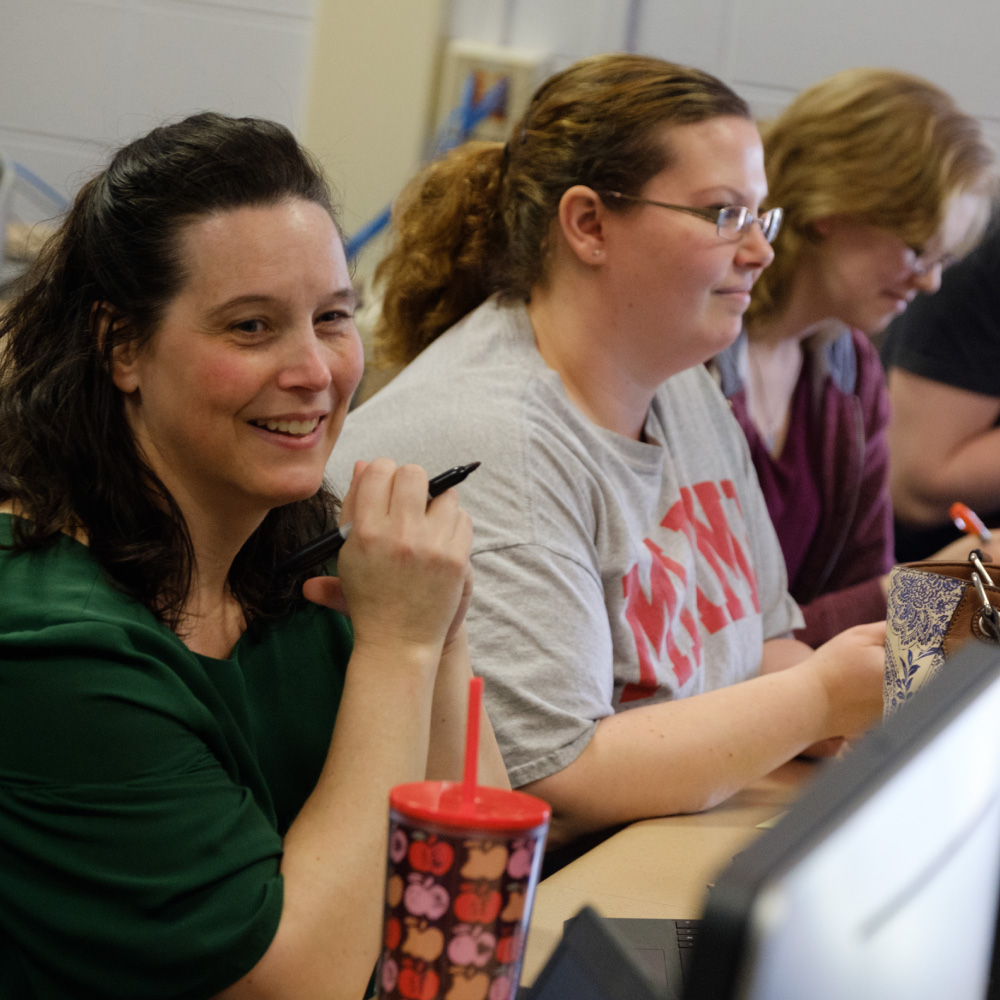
(178, 815)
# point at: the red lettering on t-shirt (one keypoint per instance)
(723, 552)
(722, 559)
(650, 620)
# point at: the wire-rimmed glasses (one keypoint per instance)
(920, 262)
(731, 221)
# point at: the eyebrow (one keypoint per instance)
(341, 296)
(735, 197)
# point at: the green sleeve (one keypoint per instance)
(137, 859)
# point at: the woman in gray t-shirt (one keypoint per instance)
(630, 613)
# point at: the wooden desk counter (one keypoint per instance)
(657, 867)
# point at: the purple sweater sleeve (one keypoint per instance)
(854, 592)
(832, 613)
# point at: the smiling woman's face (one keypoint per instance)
(238, 397)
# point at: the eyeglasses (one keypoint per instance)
(920, 264)
(731, 221)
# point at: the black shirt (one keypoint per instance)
(952, 337)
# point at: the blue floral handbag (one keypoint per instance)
(934, 609)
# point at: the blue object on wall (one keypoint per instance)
(21, 171)
(456, 129)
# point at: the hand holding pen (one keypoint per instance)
(404, 575)
(321, 549)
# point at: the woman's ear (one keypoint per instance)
(581, 219)
(106, 321)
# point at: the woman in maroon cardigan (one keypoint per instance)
(883, 181)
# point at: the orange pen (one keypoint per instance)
(968, 521)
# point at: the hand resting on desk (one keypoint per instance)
(859, 649)
(688, 755)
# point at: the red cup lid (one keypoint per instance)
(491, 808)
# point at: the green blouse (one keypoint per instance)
(145, 789)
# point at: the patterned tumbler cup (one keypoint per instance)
(459, 887)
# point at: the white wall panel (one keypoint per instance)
(302, 9)
(79, 77)
(64, 163)
(690, 33)
(767, 49)
(60, 63)
(787, 44)
(571, 29)
(248, 64)
(482, 20)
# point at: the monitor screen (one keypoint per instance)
(882, 880)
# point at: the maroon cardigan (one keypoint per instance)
(838, 584)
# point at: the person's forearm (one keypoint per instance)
(333, 864)
(404, 575)
(782, 653)
(685, 756)
(944, 444)
(446, 756)
(923, 493)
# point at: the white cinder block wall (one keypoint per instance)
(766, 49)
(78, 77)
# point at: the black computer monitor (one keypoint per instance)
(590, 963)
(882, 880)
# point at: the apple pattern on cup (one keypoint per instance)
(397, 845)
(508, 947)
(431, 855)
(417, 981)
(471, 945)
(514, 910)
(485, 860)
(394, 891)
(455, 906)
(422, 940)
(521, 856)
(424, 897)
(467, 983)
(390, 973)
(502, 988)
(393, 933)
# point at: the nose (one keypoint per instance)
(306, 364)
(754, 251)
(929, 281)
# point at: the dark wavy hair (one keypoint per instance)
(67, 456)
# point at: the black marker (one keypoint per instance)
(328, 545)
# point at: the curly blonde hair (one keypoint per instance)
(477, 221)
(883, 146)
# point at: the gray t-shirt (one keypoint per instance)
(609, 573)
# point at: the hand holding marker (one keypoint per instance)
(328, 545)
(968, 521)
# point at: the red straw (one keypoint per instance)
(472, 744)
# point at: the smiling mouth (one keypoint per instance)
(292, 428)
